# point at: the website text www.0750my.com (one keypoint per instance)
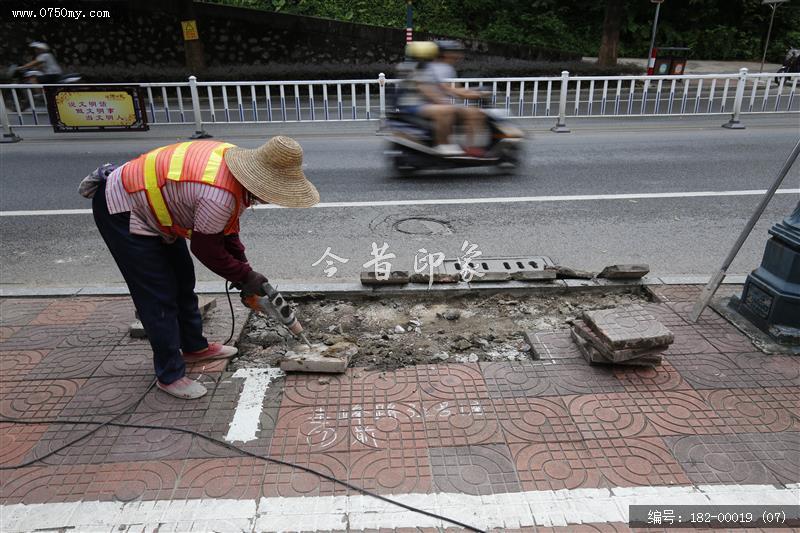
(60, 12)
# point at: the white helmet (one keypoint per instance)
(39, 45)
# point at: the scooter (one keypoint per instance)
(410, 145)
(26, 76)
(791, 63)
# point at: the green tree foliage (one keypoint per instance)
(714, 29)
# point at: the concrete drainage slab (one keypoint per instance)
(527, 268)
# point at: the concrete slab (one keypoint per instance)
(580, 328)
(630, 326)
(319, 358)
(624, 272)
(594, 357)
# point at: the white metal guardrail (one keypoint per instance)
(203, 103)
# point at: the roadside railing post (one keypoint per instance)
(199, 132)
(381, 102)
(734, 123)
(8, 134)
(561, 125)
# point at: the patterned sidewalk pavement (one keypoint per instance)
(512, 446)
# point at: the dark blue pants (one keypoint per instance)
(161, 280)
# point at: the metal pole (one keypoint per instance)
(713, 284)
(653, 38)
(199, 132)
(769, 31)
(734, 123)
(561, 126)
(8, 134)
(409, 21)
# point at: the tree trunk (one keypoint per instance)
(610, 41)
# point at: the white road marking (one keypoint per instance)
(509, 510)
(462, 201)
(245, 421)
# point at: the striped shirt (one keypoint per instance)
(193, 205)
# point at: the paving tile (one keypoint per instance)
(62, 311)
(127, 360)
(712, 371)
(90, 449)
(779, 452)
(608, 416)
(553, 344)
(286, 481)
(726, 338)
(532, 378)
(215, 419)
(643, 379)
(20, 311)
(107, 396)
(63, 363)
(6, 332)
(238, 478)
(357, 385)
(677, 293)
(517, 379)
(688, 341)
(737, 458)
(139, 444)
(124, 482)
(768, 370)
(638, 461)
(451, 382)
(308, 430)
(478, 470)
(555, 465)
(15, 364)
(35, 337)
(682, 412)
(379, 426)
(750, 410)
(114, 310)
(461, 422)
(708, 317)
(628, 326)
(98, 334)
(395, 471)
(665, 313)
(37, 399)
(535, 420)
(16, 440)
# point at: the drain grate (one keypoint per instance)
(504, 268)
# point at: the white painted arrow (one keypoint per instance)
(246, 418)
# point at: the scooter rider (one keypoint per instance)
(441, 70)
(419, 95)
(45, 62)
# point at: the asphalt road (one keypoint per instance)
(675, 235)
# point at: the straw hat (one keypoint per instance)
(273, 172)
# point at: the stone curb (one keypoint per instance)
(299, 288)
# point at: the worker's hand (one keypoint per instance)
(253, 284)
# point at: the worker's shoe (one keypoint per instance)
(184, 388)
(215, 350)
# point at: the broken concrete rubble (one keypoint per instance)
(624, 272)
(396, 277)
(319, 358)
(562, 272)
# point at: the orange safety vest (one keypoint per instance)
(194, 161)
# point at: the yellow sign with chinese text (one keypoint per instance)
(190, 32)
(96, 109)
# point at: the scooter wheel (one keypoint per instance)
(401, 168)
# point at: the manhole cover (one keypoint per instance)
(422, 226)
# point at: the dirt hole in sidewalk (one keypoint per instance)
(394, 331)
